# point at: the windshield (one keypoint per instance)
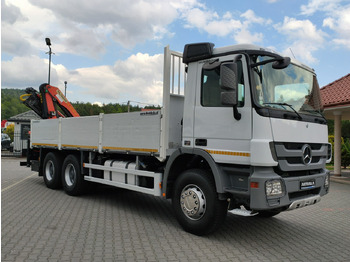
(293, 88)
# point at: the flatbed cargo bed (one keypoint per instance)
(137, 132)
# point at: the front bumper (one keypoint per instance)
(294, 194)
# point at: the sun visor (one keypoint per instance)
(197, 51)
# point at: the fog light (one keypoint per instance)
(274, 188)
(326, 181)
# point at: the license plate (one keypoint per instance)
(307, 184)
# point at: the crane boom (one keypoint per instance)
(45, 102)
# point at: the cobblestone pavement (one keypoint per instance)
(39, 224)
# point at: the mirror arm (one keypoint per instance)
(236, 114)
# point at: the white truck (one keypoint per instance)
(241, 130)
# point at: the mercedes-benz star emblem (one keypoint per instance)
(307, 154)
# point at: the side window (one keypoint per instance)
(211, 89)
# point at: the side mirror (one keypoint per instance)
(229, 82)
(282, 63)
(228, 74)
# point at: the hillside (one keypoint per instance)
(10, 103)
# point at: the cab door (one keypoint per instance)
(215, 128)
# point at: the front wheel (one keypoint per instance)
(195, 202)
(72, 179)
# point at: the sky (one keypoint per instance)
(111, 51)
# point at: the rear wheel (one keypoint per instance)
(195, 202)
(72, 179)
(52, 170)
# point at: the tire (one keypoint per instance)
(195, 202)
(52, 170)
(72, 179)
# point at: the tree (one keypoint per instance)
(345, 128)
(10, 130)
(345, 150)
(10, 103)
(345, 153)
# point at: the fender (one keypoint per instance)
(218, 175)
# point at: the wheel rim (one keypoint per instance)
(70, 175)
(193, 203)
(49, 170)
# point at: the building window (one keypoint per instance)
(25, 128)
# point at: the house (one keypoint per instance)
(336, 103)
(22, 126)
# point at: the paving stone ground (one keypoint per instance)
(108, 224)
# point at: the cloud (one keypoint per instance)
(21, 72)
(226, 25)
(304, 37)
(337, 18)
(314, 6)
(10, 13)
(339, 22)
(251, 18)
(13, 42)
(245, 36)
(85, 27)
(138, 78)
(24, 32)
(127, 22)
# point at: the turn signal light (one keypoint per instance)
(254, 184)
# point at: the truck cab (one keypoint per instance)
(257, 117)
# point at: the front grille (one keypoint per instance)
(299, 146)
(297, 160)
(297, 173)
(290, 156)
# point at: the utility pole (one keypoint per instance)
(48, 43)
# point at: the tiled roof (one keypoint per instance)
(336, 93)
(24, 117)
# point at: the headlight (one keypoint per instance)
(274, 188)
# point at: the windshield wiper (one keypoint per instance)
(285, 104)
(313, 111)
